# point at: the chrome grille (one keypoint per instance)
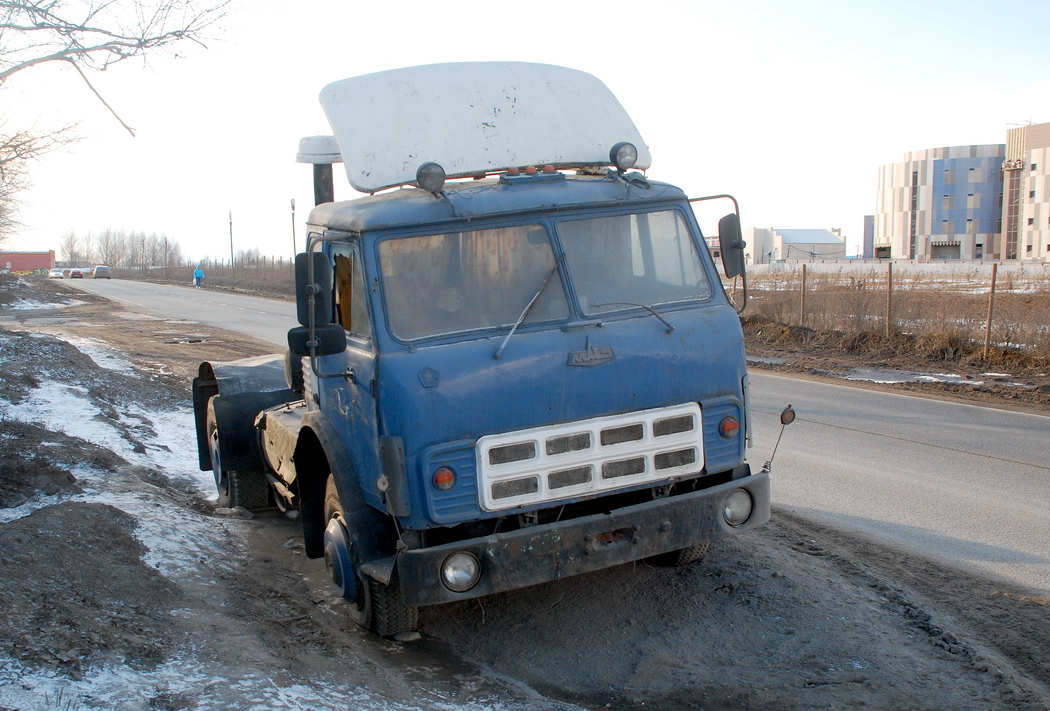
(589, 456)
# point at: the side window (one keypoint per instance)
(349, 293)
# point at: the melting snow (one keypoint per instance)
(178, 540)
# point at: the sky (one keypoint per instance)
(789, 106)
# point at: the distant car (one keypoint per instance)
(54, 274)
(76, 274)
(101, 272)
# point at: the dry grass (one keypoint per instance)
(943, 317)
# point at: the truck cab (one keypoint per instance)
(509, 369)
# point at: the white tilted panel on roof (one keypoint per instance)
(473, 117)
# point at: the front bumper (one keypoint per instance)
(541, 553)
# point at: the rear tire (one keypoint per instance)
(246, 489)
(680, 557)
(376, 607)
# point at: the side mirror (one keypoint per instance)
(316, 290)
(731, 244)
(328, 340)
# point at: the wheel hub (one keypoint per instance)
(337, 559)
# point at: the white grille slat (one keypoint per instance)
(681, 443)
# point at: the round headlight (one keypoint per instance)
(737, 507)
(460, 571)
(431, 177)
(623, 155)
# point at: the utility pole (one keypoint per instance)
(231, 240)
(294, 249)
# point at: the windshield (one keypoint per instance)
(462, 281)
(632, 260)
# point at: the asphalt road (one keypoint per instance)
(266, 319)
(967, 485)
(964, 484)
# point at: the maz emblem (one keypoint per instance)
(592, 356)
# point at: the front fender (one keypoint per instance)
(373, 534)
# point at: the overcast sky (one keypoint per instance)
(790, 106)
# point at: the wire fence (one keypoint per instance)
(269, 276)
(1003, 310)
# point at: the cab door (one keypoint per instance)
(357, 396)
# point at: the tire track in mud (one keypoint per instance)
(994, 627)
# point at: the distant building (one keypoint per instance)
(1026, 194)
(26, 261)
(777, 245)
(941, 203)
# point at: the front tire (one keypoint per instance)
(680, 557)
(374, 606)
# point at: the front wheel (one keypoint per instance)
(680, 557)
(374, 606)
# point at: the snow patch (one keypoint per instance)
(30, 305)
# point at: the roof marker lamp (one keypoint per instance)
(431, 177)
(623, 155)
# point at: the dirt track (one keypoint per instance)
(791, 616)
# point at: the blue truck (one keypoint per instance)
(515, 361)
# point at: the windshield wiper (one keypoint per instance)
(650, 309)
(528, 307)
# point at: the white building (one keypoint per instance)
(776, 245)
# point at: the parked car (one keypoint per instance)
(101, 272)
(76, 274)
(54, 274)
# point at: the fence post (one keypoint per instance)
(991, 306)
(802, 300)
(889, 297)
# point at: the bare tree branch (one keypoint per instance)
(95, 34)
(104, 102)
(88, 35)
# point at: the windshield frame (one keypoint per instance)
(562, 279)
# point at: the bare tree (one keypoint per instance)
(85, 35)
(94, 34)
(109, 248)
(87, 249)
(69, 248)
(16, 150)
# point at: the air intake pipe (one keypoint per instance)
(321, 152)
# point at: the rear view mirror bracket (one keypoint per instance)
(731, 245)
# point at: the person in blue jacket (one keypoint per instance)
(198, 276)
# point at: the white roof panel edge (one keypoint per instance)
(473, 117)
